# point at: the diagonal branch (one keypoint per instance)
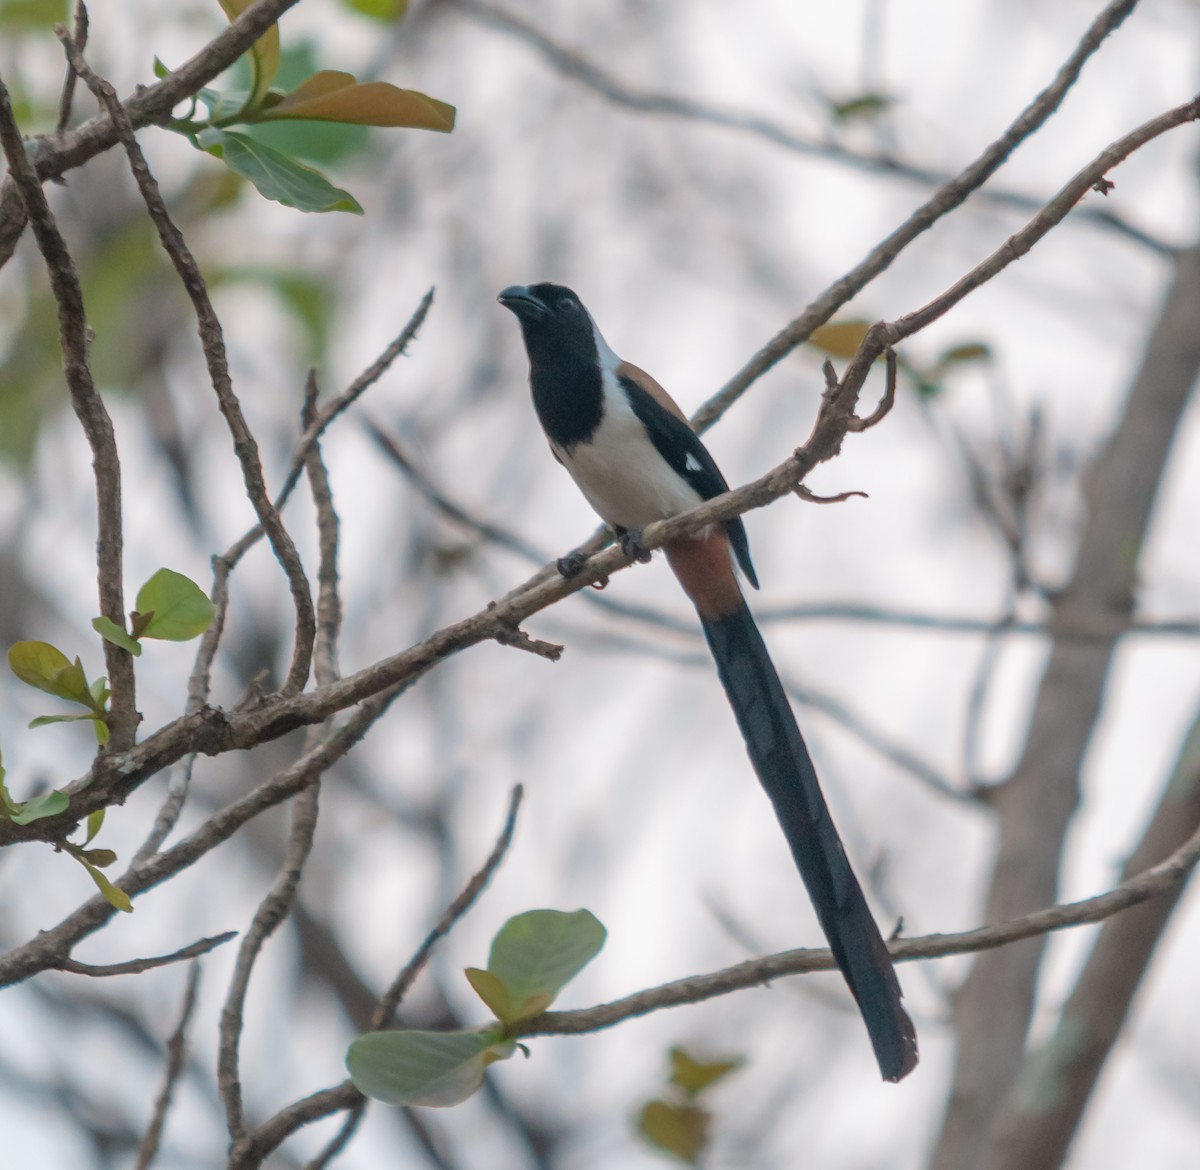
(212, 342)
(588, 73)
(944, 200)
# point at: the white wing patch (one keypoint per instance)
(691, 463)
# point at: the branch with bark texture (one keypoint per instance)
(114, 776)
(1161, 880)
(577, 67)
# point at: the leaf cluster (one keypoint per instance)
(680, 1122)
(170, 607)
(329, 95)
(533, 956)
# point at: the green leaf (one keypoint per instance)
(424, 1068)
(862, 107)
(694, 1076)
(839, 339)
(264, 53)
(9, 805)
(276, 176)
(333, 96)
(46, 667)
(967, 352)
(32, 14)
(537, 953)
(114, 895)
(493, 991)
(681, 1130)
(176, 607)
(46, 720)
(111, 632)
(49, 804)
(385, 11)
(94, 822)
(101, 858)
(99, 726)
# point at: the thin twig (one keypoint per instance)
(212, 343)
(251, 1151)
(52, 947)
(755, 973)
(574, 65)
(93, 417)
(1159, 879)
(322, 419)
(944, 200)
(272, 911)
(53, 157)
(137, 966)
(79, 34)
(176, 1051)
(884, 334)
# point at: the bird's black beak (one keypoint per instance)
(522, 302)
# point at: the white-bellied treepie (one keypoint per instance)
(636, 459)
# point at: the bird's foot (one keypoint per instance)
(633, 545)
(570, 565)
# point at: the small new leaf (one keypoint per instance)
(694, 1076)
(681, 1130)
(101, 858)
(862, 107)
(537, 953)
(493, 991)
(276, 176)
(94, 822)
(424, 1068)
(48, 669)
(111, 632)
(839, 339)
(333, 96)
(173, 608)
(113, 895)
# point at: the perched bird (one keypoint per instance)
(636, 459)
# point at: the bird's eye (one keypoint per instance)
(567, 305)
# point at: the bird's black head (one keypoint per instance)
(553, 320)
(564, 359)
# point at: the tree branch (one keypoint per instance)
(93, 417)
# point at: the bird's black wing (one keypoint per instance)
(681, 447)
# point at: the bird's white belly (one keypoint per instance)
(622, 475)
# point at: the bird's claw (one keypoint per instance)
(570, 565)
(633, 545)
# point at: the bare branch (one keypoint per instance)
(79, 34)
(1163, 878)
(52, 947)
(137, 966)
(176, 1051)
(579, 68)
(254, 1148)
(1035, 1135)
(93, 417)
(944, 200)
(213, 344)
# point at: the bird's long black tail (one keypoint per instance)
(780, 758)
